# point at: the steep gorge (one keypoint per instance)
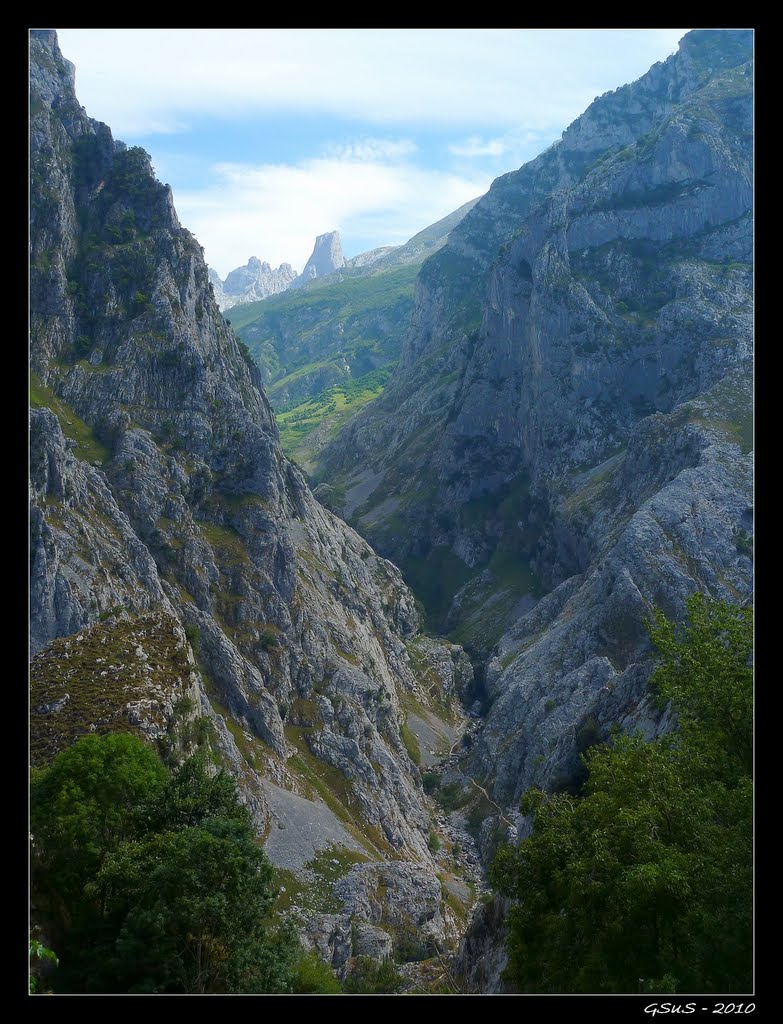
(565, 445)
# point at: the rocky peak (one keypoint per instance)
(255, 280)
(721, 48)
(52, 76)
(327, 257)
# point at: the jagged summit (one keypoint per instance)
(327, 256)
(255, 280)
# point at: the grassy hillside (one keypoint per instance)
(305, 428)
(326, 351)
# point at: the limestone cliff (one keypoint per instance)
(566, 441)
(327, 256)
(254, 281)
(161, 496)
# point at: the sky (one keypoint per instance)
(269, 137)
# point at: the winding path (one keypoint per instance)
(486, 794)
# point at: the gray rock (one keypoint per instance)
(294, 635)
(254, 281)
(327, 256)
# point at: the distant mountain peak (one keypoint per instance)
(255, 280)
(327, 257)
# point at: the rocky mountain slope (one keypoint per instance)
(567, 439)
(179, 560)
(254, 281)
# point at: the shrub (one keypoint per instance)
(430, 781)
(267, 639)
(193, 634)
(370, 977)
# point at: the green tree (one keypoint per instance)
(190, 797)
(190, 906)
(643, 883)
(39, 952)
(164, 887)
(86, 802)
(706, 673)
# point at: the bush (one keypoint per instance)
(193, 634)
(452, 796)
(370, 977)
(267, 639)
(430, 781)
(311, 974)
(154, 879)
(588, 734)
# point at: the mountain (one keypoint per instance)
(186, 585)
(326, 257)
(328, 349)
(566, 441)
(564, 445)
(256, 280)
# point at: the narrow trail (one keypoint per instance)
(489, 798)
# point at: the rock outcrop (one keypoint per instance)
(327, 256)
(160, 495)
(254, 281)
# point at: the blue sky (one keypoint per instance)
(269, 137)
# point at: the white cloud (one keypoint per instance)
(274, 211)
(372, 149)
(475, 146)
(271, 95)
(152, 79)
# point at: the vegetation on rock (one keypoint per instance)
(644, 881)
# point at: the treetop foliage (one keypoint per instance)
(151, 880)
(643, 883)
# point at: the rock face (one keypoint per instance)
(161, 496)
(254, 281)
(567, 441)
(327, 257)
(571, 415)
(401, 910)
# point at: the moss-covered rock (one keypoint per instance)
(123, 675)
